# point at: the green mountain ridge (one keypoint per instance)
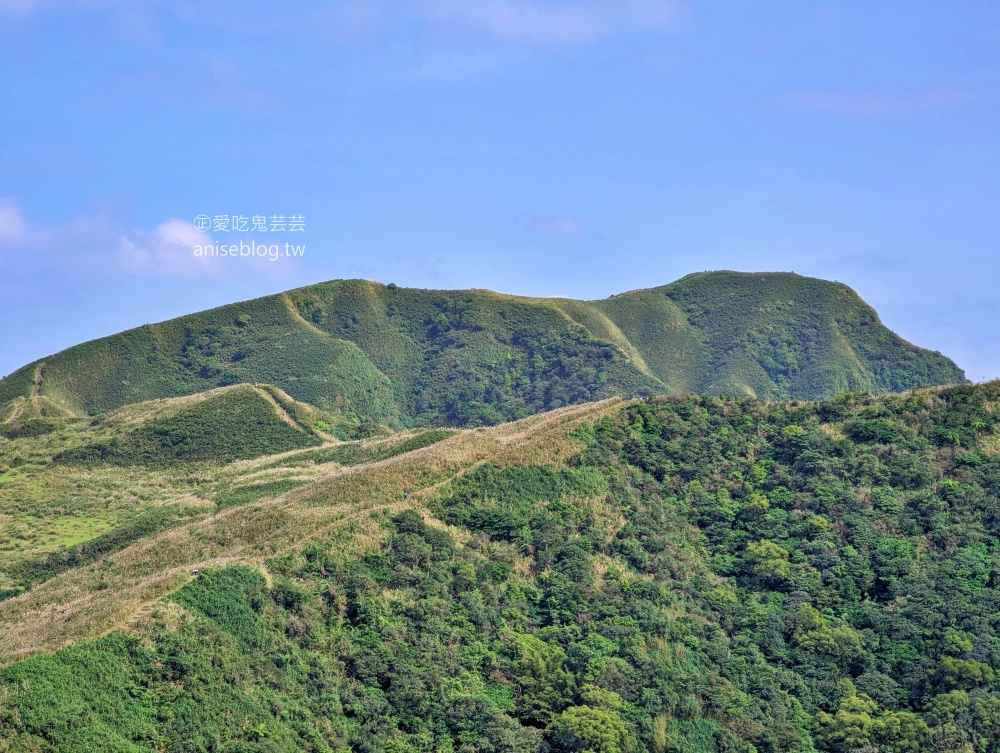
(369, 352)
(209, 541)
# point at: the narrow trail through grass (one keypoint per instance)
(35, 390)
(282, 413)
(88, 601)
(38, 379)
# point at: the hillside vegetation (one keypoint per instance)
(231, 424)
(368, 353)
(696, 574)
(74, 489)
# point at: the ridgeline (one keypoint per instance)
(370, 353)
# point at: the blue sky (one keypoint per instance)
(569, 148)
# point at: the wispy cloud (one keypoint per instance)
(546, 24)
(12, 225)
(227, 84)
(98, 242)
(505, 23)
(520, 22)
(23, 243)
(565, 226)
(135, 21)
(873, 103)
(167, 250)
(18, 6)
(863, 261)
(535, 23)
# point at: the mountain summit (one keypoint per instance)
(372, 352)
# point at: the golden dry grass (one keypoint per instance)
(85, 602)
(138, 413)
(990, 444)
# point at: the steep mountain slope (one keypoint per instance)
(370, 352)
(772, 336)
(695, 574)
(257, 341)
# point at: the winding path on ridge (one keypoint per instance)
(282, 413)
(92, 599)
(34, 393)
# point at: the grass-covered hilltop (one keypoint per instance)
(367, 352)
(684, 574)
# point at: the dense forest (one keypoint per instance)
(705, 574)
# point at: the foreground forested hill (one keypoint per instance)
(674, 574)
(401, 357)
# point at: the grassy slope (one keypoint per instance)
(256, 341)
(112, 589)
(230, 423)
(787, 336)
(69, 482)
(472, 357)
(420, 357)
(692, 574)
(660, 331)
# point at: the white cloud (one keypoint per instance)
(168, 250)
(96, 242)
